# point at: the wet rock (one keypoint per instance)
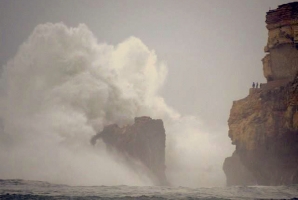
(143, 141)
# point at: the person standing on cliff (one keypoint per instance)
(257, 85)
(253, 84)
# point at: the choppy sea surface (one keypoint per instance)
(22, 189)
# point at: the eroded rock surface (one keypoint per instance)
(264, 125)
(143, 141)
(236, 172)
(282, 58)
(264, 128)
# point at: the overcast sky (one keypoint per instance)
(213, 48)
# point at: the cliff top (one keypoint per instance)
(284, 12)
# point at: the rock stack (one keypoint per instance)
(143, 142)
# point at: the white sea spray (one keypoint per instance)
(62, 87)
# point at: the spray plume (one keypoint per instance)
(62, 87)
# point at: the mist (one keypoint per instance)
(110, 61)
(63, 86)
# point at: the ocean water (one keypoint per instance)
(62, 87)
(22, 189)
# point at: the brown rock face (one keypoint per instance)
(264, 125)
(282, 25)
(143, 141)
(236, 172)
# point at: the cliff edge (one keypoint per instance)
(264, 125)
(144, 141)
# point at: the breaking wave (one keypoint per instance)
(62, 87)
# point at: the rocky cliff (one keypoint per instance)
(144, 141)
(282, 59)
(264, 125)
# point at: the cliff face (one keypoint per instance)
(264, 125)
(282, 25)
(144, 141)
(264, 128)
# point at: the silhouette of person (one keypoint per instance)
(253, 84)
(257, 85)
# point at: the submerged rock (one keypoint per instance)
(144, 141)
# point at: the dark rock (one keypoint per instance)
(236, 172)
(143, 141)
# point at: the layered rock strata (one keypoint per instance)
(281, 62)
(144, 142)
(264, 125)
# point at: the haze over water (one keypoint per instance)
(63, 87)
(69, 79)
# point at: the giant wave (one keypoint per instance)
(62, 87)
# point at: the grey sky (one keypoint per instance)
(213, 48)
